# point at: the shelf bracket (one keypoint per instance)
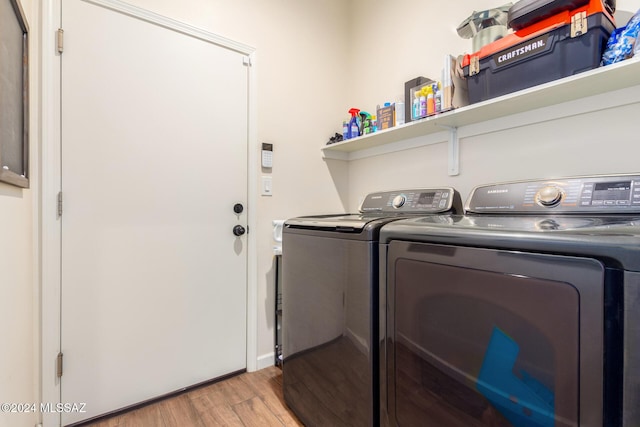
(454, 152)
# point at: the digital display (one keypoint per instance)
(426, 198)
(619, 190)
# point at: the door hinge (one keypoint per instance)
(579, 24)
(246, 60)
(60, 40)
(60, 203)
(59, 365)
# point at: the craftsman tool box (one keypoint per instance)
(551, 39)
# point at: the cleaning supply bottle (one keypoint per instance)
(415, 112)
(345, 130)
(399, 110)
(374, 124)
(438, 98)
(354, 128)
(431, 102)
(365, 123)
(423, 102)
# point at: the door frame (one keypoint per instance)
(51, 172)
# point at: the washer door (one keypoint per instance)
(480, 337)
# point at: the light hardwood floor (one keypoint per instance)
(250, 399)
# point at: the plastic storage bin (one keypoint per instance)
(567, 43)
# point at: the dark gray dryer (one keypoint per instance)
(330, 306)
(523, 312)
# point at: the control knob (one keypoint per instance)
(399, 201)
(549, 196)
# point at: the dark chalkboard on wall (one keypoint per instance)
(14, 95)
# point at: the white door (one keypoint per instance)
(154, 158)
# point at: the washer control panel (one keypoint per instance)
(415, 201)
(600, 194)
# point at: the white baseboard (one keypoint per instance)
(265, 361)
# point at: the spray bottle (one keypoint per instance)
(354, 129)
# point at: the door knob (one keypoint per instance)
(238, 208)
(238, 230)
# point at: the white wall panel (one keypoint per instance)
(18, 266)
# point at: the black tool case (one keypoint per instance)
(553, 39)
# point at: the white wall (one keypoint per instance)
(396, 41)
(17, 304)
(18, 269)
(603, 142)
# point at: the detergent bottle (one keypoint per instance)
(354, 128)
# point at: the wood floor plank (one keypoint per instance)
(109, 422)
(143, 417)
(230, 391)
(268, 385)
(254, 413)
(180, 412)
(215, 414)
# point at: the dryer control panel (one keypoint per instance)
(580, 195)
(425, 200)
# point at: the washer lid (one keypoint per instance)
(619, 224)
(614, 238)
(340, 222)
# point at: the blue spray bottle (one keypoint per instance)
(354, 129)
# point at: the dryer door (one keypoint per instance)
(479, 337)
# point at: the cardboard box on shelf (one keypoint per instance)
(386, 117)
